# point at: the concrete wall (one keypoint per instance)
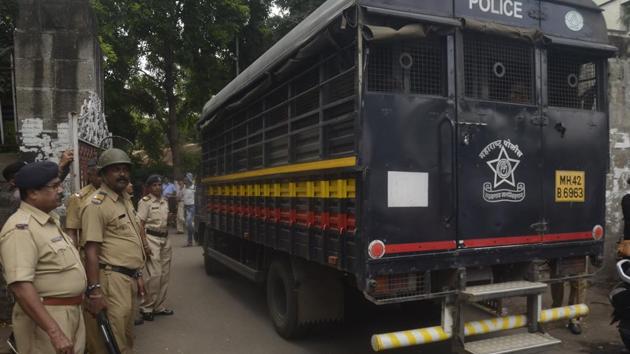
(58, 71)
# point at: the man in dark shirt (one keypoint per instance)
(625, 208)
(623, 249)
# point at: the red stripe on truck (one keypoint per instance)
(486, 242)
(420, 247)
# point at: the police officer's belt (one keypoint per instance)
(63, 301)
(126, 271)
(157, 233)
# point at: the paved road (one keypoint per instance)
(228, 314)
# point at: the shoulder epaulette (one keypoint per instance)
(23, 224)
(146, 198)
(98, 198)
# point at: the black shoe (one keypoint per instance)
(164, 312)
(147, 316)
(138, 321)
(574, 327)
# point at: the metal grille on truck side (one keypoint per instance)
(498, 70)
(417, 67)
(572, 80)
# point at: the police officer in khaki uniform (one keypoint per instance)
(43, 268)
(577, 295)
(113, 249)
(153, 212)
(73, 219)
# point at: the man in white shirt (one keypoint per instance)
(188, 197)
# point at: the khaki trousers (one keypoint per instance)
(120, 293)
(181, 218)
(31, 339)
(157, 273)
(577, 294)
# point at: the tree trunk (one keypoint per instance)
(171, 99)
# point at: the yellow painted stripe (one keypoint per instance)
(443, 335)
(394, 340)
(426, 336)
(300, 167)
(410, 337)
(486, 328)
(310, 189)
(505, 323)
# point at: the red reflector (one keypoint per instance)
(376, 249)
(598, 232)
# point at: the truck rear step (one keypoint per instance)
(501, 290)
(517, 343)
(453, 324)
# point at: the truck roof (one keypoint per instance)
(567, 22)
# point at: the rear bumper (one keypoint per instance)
(487, 256)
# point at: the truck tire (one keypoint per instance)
(282, 299)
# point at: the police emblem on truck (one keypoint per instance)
(503, 158)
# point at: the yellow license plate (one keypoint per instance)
(570, 186)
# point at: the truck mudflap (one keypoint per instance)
(444, 332)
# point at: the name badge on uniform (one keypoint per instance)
(155, 208)
(57, 239)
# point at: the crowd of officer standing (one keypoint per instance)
(106, 264)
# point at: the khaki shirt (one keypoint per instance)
(154, 213)
(33, 248)
(73, 220)
(109, 219)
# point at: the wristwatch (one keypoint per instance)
(92, 287)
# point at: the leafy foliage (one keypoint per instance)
(165, 58)
(8, 12)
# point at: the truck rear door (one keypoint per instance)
(499, 143)
(575, 144)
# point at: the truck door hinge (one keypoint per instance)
(540, 227)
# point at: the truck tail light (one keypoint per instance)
(598, 232)
(376, 249)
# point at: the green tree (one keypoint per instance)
(296, 11)
(165, 58)
(8, 14)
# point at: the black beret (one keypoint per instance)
(36, 175)
(10, 171)
(154, 179)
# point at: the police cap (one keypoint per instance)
(154, 179)
(36, 175)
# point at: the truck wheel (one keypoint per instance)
(282, 299)
(211, 266)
